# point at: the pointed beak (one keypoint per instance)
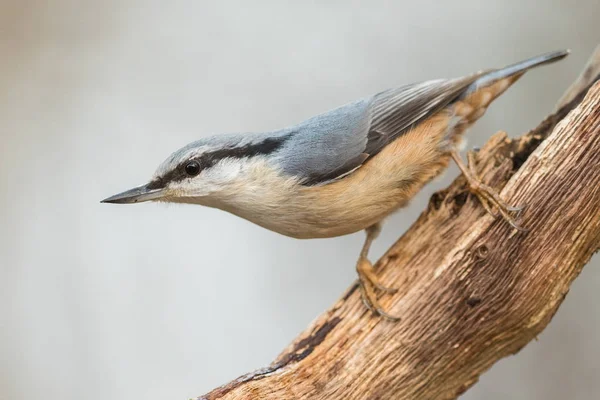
(136, 195)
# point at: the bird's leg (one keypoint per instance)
(487, 196)
(368, 281)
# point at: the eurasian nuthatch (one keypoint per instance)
(341, 171)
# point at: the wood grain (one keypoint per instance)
(471, 289)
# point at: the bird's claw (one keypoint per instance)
(369, 283)
(487, 196)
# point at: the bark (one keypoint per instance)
(471, 289)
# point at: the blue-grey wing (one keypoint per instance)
(328, 145)
(332, 145)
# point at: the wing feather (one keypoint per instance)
(332, 145)
(396, 110)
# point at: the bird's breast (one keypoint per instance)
(382, 185)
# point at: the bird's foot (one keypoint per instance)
(369, 283)
(487, 196)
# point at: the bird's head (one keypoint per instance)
(205, 170)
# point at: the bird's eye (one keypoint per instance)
(192, 168)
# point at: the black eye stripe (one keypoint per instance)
(158, 183)
(209, 159)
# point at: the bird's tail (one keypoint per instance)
(516, 70)
(474, 101)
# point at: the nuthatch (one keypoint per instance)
(344, 170)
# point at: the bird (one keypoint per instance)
(344, 170)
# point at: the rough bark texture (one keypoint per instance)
(471, 289)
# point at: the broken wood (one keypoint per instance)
(471, 289)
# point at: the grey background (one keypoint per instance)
(166, 302)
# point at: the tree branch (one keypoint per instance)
(471, 289)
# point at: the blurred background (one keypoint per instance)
(167, 302)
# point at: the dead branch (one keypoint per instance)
(472, 290)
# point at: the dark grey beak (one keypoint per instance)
(135, 195)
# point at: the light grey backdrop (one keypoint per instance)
(159, 302)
